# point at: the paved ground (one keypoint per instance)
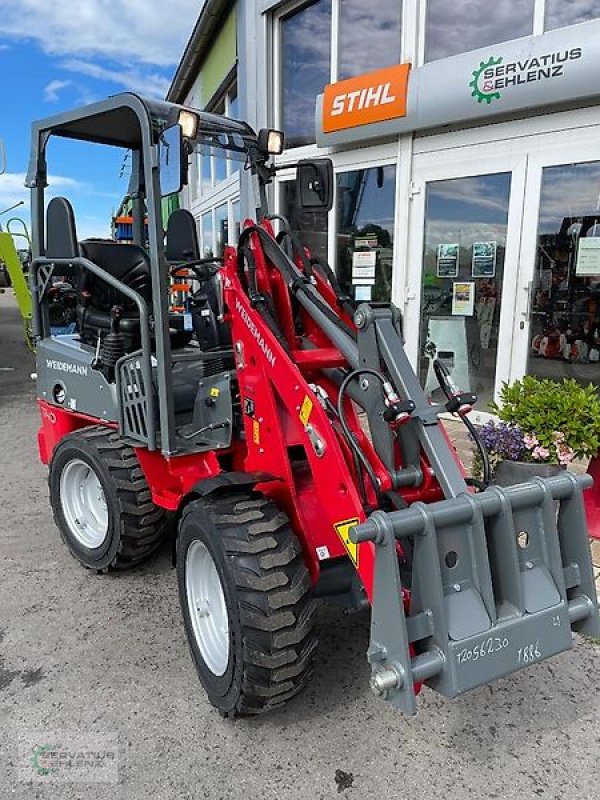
(105, 654)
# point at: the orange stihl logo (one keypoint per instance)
(373, 97)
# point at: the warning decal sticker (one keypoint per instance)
(306, 410)
(343, 531)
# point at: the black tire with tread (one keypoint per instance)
(136, 524)
(269, 600)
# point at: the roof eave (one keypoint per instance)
(186, 72)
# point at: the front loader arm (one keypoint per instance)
(497, 580)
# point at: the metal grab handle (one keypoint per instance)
(24, 234)
(141, 304)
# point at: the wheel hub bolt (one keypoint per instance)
(202, 609)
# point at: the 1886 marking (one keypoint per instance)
(489, 646)
(531, 652)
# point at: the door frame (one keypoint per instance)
(466, 162)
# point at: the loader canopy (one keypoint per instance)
(135, 123)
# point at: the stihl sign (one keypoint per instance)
(373, 97)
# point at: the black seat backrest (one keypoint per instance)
(61, 234)
(182, 238)
(126, 262)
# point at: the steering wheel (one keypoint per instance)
(203, 268)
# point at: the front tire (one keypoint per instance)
(246, 600)
(101, 501)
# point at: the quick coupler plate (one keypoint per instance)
(499, 581)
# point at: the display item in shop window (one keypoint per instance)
(567, 343)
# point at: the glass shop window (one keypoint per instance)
(206, 232)
(305, 47)
(463, 25)
(565, 293)
(466, 223)
(214, 169)
(368, 40)
(222, 226)
(560, 14)
(365, 232)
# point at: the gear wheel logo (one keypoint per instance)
(39, 758)
(483, 91)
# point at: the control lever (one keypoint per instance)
(96, 361)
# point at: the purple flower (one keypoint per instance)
(503, 440)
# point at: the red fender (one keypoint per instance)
(591, 498)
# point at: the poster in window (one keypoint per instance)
(463, 299)
(362, 294)
(363, 266)
(588, 257)
(484, 260)
(447, 261)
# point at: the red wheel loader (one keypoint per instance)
(286, 430)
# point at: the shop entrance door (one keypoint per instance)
(466, 212)
(557, 330)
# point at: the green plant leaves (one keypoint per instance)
(544, 407)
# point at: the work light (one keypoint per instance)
(189, 124)
(270, 141)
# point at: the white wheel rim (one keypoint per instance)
(84, 504)
(207, 607)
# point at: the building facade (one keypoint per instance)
(465, 138)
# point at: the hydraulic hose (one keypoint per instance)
(442, 373)
(348, 433)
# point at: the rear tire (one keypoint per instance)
(101, 501)
(251, 634)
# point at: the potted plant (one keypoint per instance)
(543, 426)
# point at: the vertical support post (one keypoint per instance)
(136, 189)
(160, 299)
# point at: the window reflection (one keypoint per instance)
(237, 220)
(367, 40)
(305, 55)
(222, 224)
(309, 226)
(465, 240)
(560, 14)
(365, 232)
(565, 300)
(206, 227)
(463, 25)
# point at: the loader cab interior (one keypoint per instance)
(144, 361)
(121, 291)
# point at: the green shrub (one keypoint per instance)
(559, 414)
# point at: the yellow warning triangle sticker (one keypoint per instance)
(343, 531)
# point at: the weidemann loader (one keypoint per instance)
(286, 431)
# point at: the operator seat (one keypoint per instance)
(182, 248)
(130, 265)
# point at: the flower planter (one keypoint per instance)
(510, 472)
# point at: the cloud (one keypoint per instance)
(356, 51)
(121, 30)
(560, 14)
(52, 90)
(460, 27)
(134, 79)
(12, 188)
